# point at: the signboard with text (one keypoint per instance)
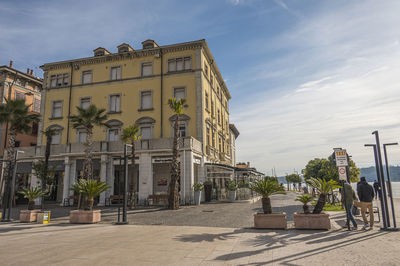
(342, 173)
(341, 158)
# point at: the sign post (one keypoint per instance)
(340, 156)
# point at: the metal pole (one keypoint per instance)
(378, 175)
(124, 209)
(389, 182)
(384, 196)
(5, 195)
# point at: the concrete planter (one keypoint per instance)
(232, 196)
(28, 216)
(270, 221)
(197, 197)
(312, 221)
(84, 217)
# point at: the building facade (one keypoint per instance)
(134, 87)
(15, 84)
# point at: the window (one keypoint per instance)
(35, 128)
(53, 81)
(206, 69)
(179, 64)
(182, 129)
(147, 69)
(206, 100)
(87, 77)
(208, 135)
(213, 137)
(212, 107)
(57, 109)
(211, 79)
(85, 102)
(146, 132)
(59, 80)
(220, 144)
(17, 143)
(65, 79)
(114, 134)
(179, 93)
(56, 138)
(19, 95)
(115, 103)
(219, 117)
(81, 136)
(115, 73)
(36, 105)
(146, 100)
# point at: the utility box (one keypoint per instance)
(43, 217)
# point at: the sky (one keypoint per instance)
(305, 76)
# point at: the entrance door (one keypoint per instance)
(161, 177)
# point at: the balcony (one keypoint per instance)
(114, 146)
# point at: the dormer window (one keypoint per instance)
(149, 44)
(101, 51)
(124, 48)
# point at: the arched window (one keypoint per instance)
(56, 138)
(183, 125)
(114, 130)
(146, 125)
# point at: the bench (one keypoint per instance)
(156, 199)
(114, 199)
(67, 201)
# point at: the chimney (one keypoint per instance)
(27, 71)
(11, 63)
(31, 72)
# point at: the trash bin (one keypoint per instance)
(43, 217)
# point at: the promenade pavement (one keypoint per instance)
(61, 243)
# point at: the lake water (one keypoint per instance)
(395, 188)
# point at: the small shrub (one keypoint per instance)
(198, 187)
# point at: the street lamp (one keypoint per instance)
(390, 183)
(125, 195)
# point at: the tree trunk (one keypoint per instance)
(31, 205)
(306, 209)
(266, 205)
(90, 203)
(46, 167)
(87, 164)
(320, 204)
(7, 175)
(173, 198)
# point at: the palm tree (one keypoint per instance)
(91, 189)
(323, 187)
(267, 188)
(173, 190)
(305, 199)
(31, 194)
(17, 115)
(87, 119)
(132, 134)
(49, 133)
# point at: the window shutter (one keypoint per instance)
(171, 65)
(146, 100)
(179, 93)
(147, 69)
(188, 63)
(179, 64)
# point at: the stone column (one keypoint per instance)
(72, 175)
(66, 180)
(110, 178)
(145, 176)
(103, 178)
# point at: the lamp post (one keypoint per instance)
(378, 175)
(125, 195)
(390, 183)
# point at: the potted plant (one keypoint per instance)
(232, 187)
(90, 189)
(32, 193)
(317, 219)
(305, 199)
(208, 189)
(267, 219)
(197, 187)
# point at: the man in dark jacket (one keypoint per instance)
(349, 196)
(377, 188)
(365, 194)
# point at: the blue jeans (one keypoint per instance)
(350, 215)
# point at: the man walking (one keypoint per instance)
(366, 195)
(377, 188)
(349, 196)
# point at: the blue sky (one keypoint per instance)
(305, 76)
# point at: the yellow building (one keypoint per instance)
(134, 87)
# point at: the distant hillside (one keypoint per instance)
(370, 173)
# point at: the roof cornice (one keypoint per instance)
(21, 74)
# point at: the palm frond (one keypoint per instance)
(267, 188)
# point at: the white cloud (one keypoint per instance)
(340, 82)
